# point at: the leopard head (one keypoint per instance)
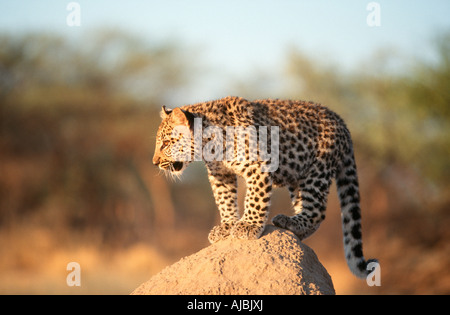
(174, 144)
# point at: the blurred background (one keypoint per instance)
(81, 86)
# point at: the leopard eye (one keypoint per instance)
(165, 144)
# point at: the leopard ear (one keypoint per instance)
(182, 117)
(165, 112)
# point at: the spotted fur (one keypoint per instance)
(314, 147)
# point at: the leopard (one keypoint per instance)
(313, 145)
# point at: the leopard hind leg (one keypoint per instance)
(309, 201)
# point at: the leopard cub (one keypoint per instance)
(309, 146)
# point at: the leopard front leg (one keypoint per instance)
(257, 201)
(224, 187)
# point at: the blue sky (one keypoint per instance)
(240, 36)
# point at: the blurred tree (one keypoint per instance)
(106, 63)
(76, 126)
(429, 98)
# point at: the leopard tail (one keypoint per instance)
(348, 191)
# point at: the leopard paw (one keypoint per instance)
(220, 232)
(246, 230)
(282, 221)
(300, 228)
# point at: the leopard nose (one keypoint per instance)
(156, 160)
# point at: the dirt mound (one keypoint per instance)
(276, 263)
